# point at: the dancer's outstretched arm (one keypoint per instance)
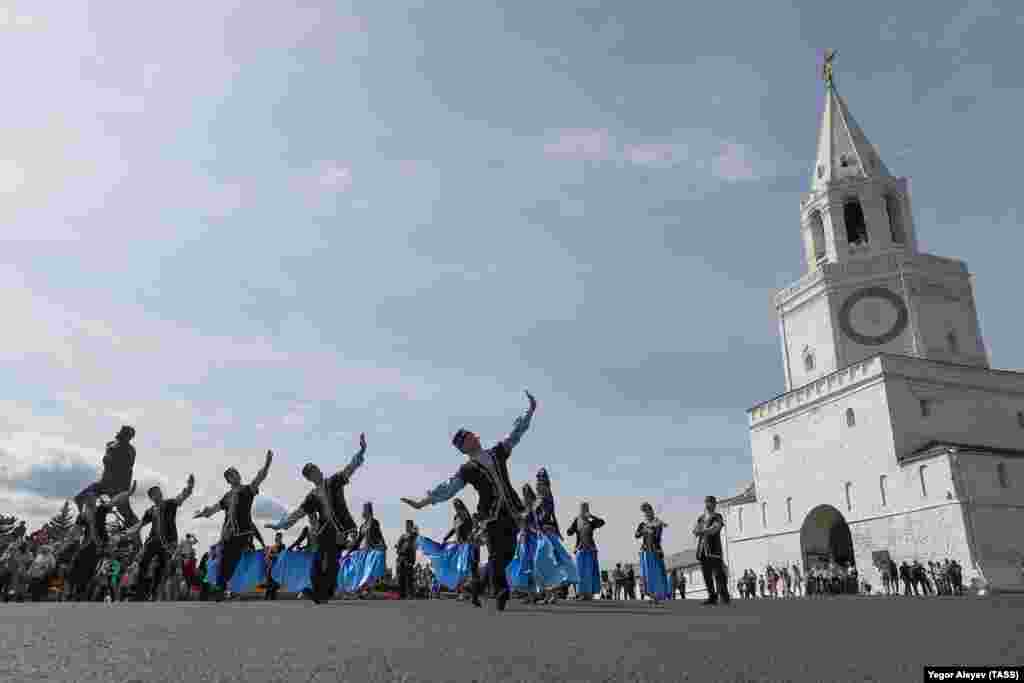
(262, 474)
(521, 425)
(208, 511)
(187, 491)
(446, 490)
(357, 459)
(147, 518)
(289, 521)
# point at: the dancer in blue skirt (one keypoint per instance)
(520, 569)
(553, 567)
(456, 564)
(370, 550)
(587, 566)
(652, 559)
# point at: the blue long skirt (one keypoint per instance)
(451, 562)
(519, 571)
(292, 571)
(552, 565)
(373, 568)
(249, 573)
(350, 570)
(360, 569)
(213, 565)
(590, 572)
(652, 569)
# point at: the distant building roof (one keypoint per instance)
(685, 558)
(748, 495)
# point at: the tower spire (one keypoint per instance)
(844, 151)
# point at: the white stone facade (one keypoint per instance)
(892, 415)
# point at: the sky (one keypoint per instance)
(241, 227)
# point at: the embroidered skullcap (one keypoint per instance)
(307, 469)
(542, 476)
(127, 430)
(459, 437)
(229, 471)
(149, 491)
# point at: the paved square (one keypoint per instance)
(846, 639)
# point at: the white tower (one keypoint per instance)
(868, 289)
(894, 438)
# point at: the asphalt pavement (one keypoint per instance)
(840, 639)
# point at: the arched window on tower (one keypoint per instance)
(856, 226)
(851, 418)
(817, 235)
(1020, 419)
(808, 360)
(739, 519)
(881, 488)
(848, 489)
(789, 510)
(895, 211)
(921, 475)
(776, 442)
(951, 341)
(764, 515)
(1004, 478)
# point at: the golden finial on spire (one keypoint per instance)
(826, 69)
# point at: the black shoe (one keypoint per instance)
(502, 600)
(710, 602)
(476, 602)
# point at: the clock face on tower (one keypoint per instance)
(873, 316)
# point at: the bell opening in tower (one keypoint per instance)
(856, 226)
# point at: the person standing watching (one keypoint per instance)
(709, 552)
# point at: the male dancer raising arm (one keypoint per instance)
(333, 520)
(163, 535)
(498, 506)
(238, 531)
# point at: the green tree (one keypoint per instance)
(7, 524)
(61, 523)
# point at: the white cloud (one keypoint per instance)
(336, 177)
(735, 163)
(12, 176)
(293, 420)
(700, 151)
(580, 144)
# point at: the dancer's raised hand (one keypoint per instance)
(532, 400)
(415, 504)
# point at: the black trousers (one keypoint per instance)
(714, 578)
(96, 489)
(630, 590)
(152, 551)
(406, 584)
(83, 569)
(501, 549)
(324, 577)
(231, 554)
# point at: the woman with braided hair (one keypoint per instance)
(553, 567)
(652, 558)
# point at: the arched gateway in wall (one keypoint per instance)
(825, 536)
